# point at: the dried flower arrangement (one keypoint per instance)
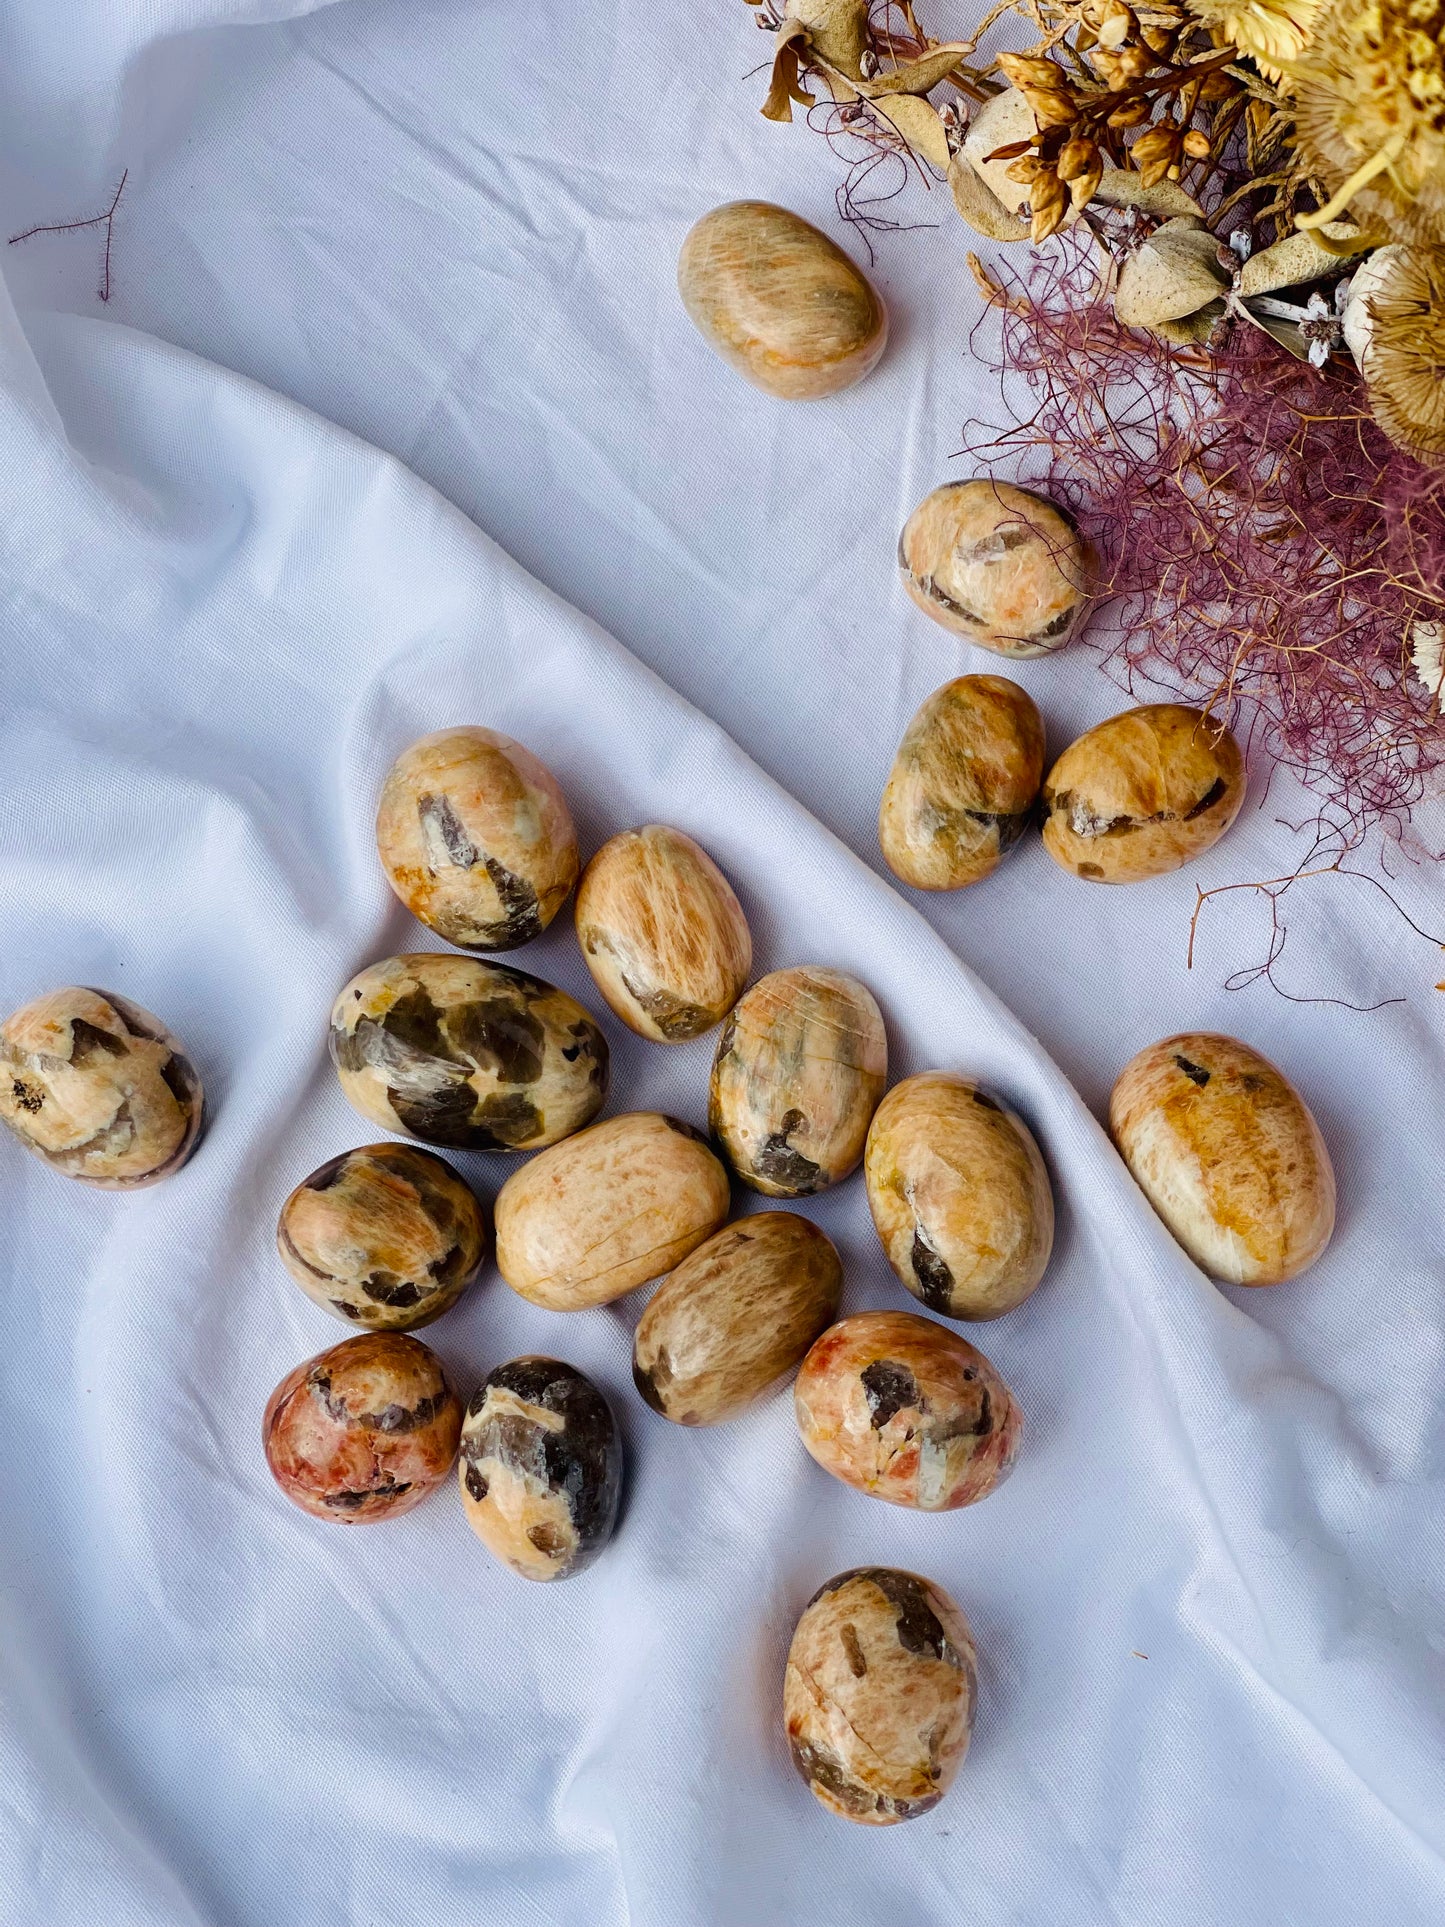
(1224, 155)
(1235, 343)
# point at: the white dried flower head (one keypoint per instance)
(1427, 653)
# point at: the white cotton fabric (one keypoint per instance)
(379, 246)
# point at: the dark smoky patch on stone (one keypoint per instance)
(919, 1628)
(450, 1269)
(1090, 870)
(684, 1129)
(1207, 802)
(499, 1036)
(1196, 1073)
(325, 1175)
(476, 1484)
(547, 1382)
(521, 914)
(415, 1022)
(821, 1768)
(88, 1039)
(444, 1114)
(889, 1388)
(293, 1250)
(649, 1381)
(386, 1289)
(781, 1164)
(1011, 827)
(395, 1418)
(989, 1103)
(548, 1541)
(725, 1040)
(346, 1310)
(1251, 1081)
(442, 829)
(353, 1501)
(1058, 626)
(502, 1122)
(910, 1809)
(180, 1080)
(132, 1017)
(974, 1426)
(935, 1280)
(929, 586)
(28, 1096)
(674, 1016)
(853, 1648)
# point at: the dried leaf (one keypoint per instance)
(980, 206)
(1298, 258)
(785, 88)
(917, 76)
(837, 31)
(1191, 331)
(1288, 334)
(919, 124)
(1173, 274)
(1001, 122)
(1121, 187)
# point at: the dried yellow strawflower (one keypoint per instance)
(1399, 342)
(1269, 31)
(1371, 97)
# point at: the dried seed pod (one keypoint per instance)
(386, 1236)
(454, 1051)
(800, 1067)
(363, 1431)
(964, 783)
(476, 839)
(615, 1206)
(736, 1317)
(1141, 794)
(879, 1694)
(1226, 1151)
(779, 301)
(996, 564)
(98, 1088)
(541, 1468)
(662, 933)
(906, 1410)
(960, 1195)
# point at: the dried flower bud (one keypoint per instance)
(1117, 24)
(1031, 74)
(1155, 152)
(1025, 170)
(1048, 204)
(1076, 157)
(1159, 40)
(1135, 61)
(1129, 113)
(1196, 145)
(1217, 86)
(1106, 66)
(1086, 185)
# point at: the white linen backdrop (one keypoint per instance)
(1209, 1601)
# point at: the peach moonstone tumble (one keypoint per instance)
(1142, 793)
(541, 1468)
(907, 1411)
(476, 839)
(879, 1693)
(960, 1196)
(607, 1210)
(736, 1317)
(662, 933)
(996, 564)
(386, 1236)
(98, 1088)
(779, 301)
(963, 784)
(1226, 1151)
(800, 1066)
(363, 1431)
